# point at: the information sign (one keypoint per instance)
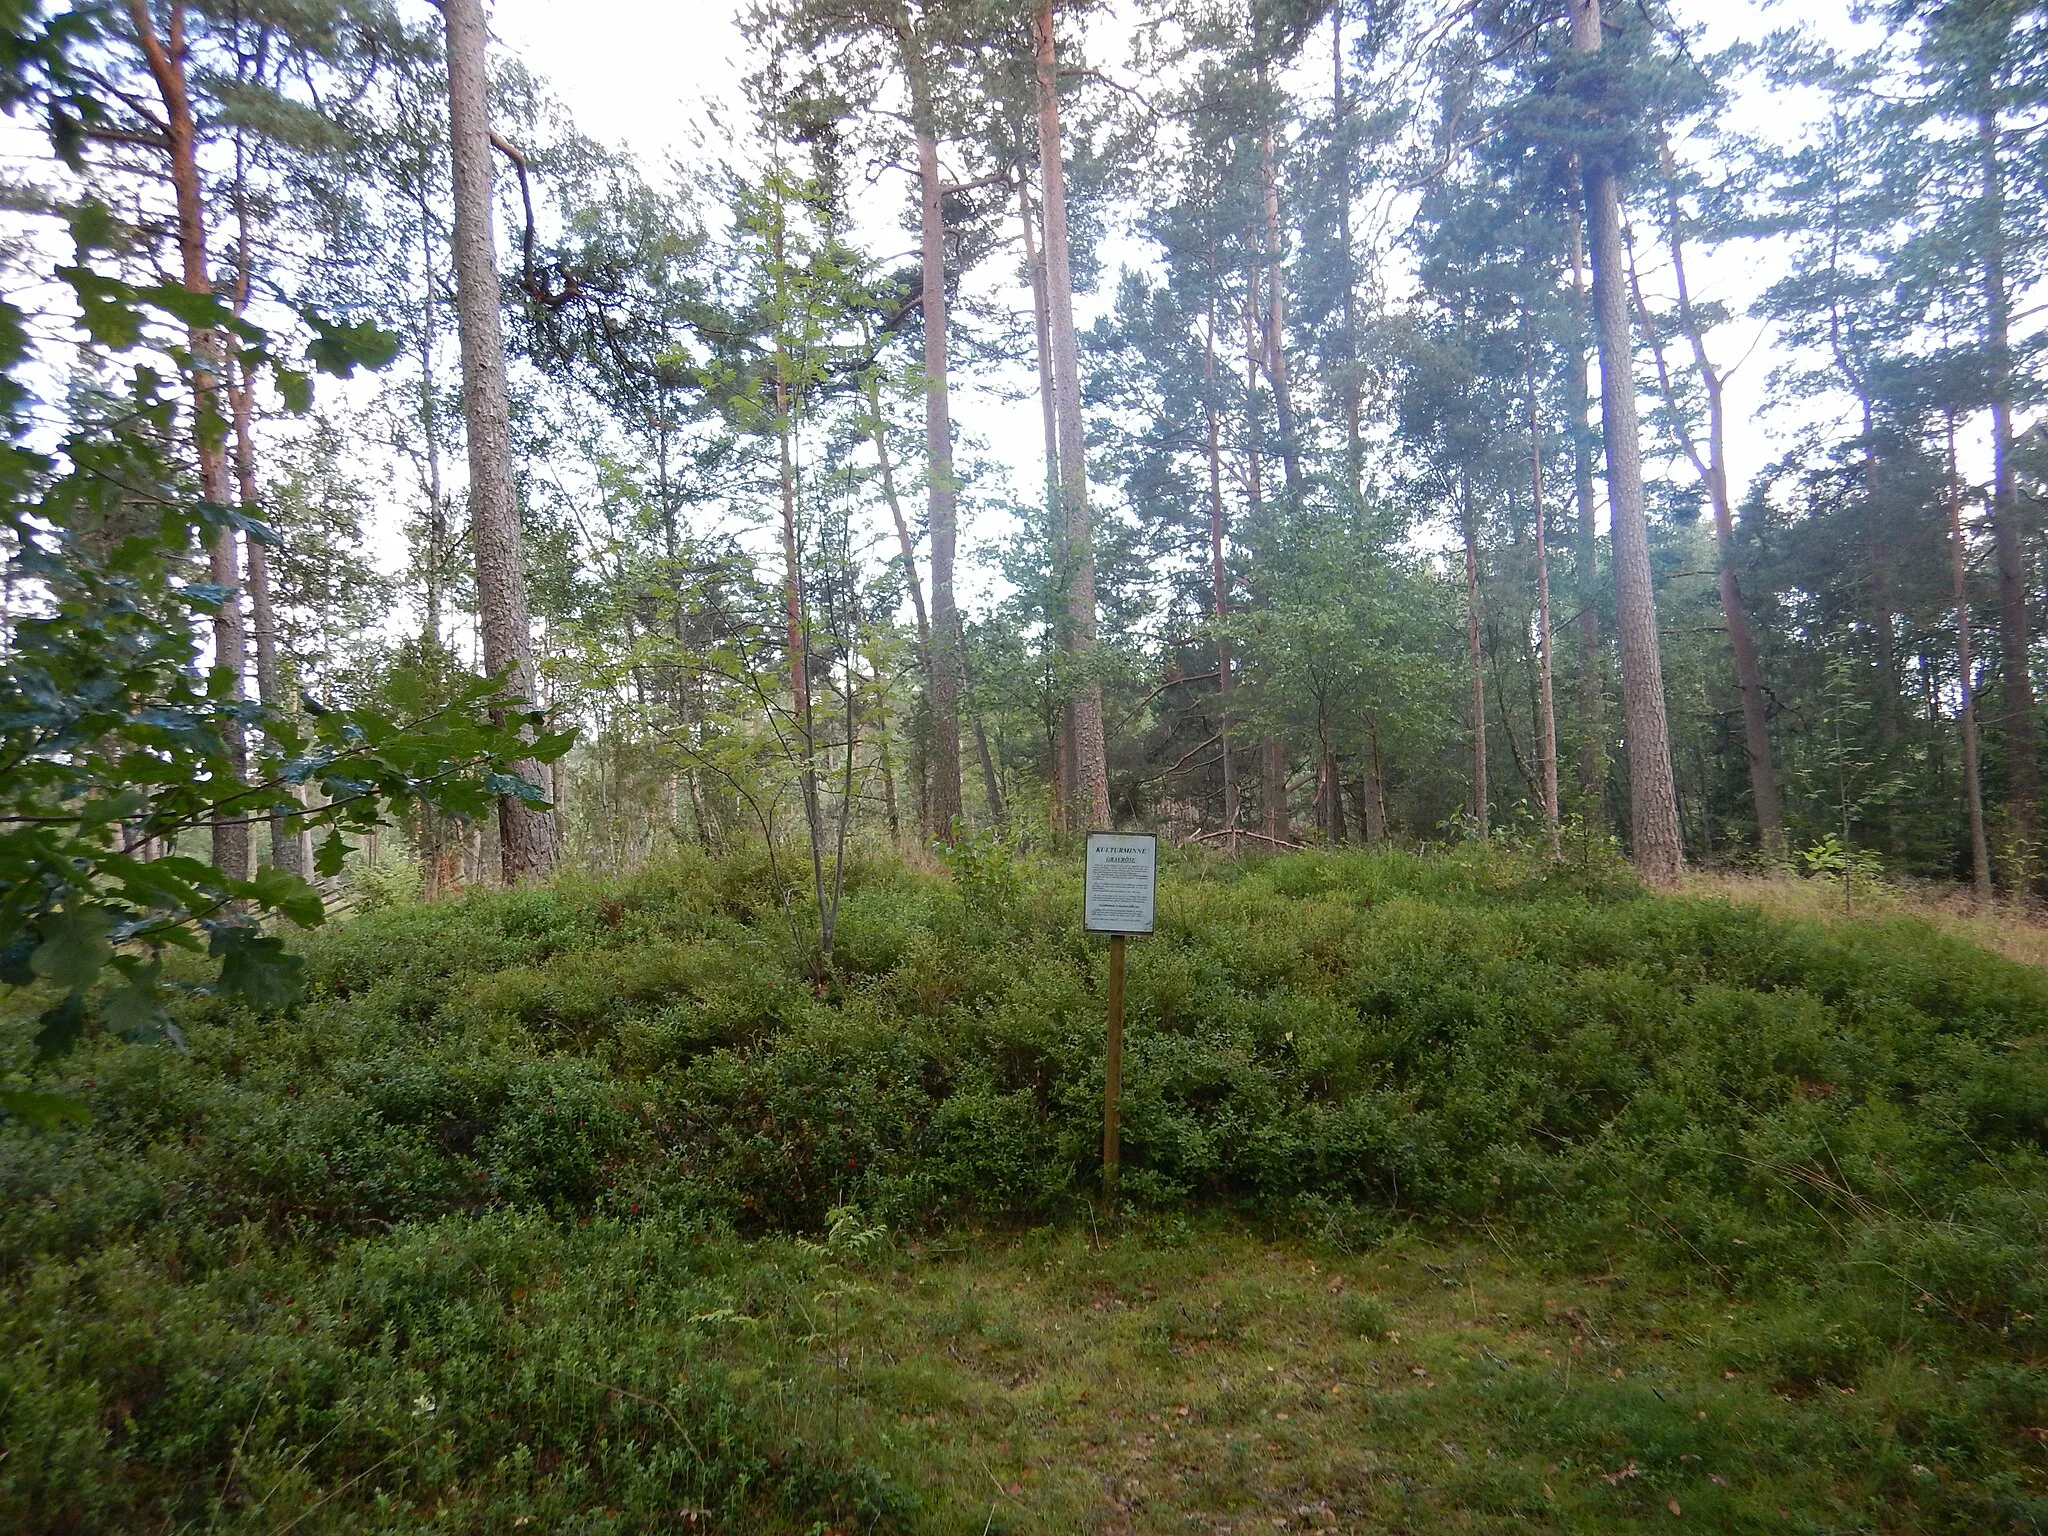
(1122, 879)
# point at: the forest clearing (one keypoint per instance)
(1126, 766)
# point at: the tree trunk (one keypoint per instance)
(1586, 559)
(1276, 316)
(166, 58)
(1219, 573)
(991, 784)
(287, 843)
(1712, 468)
(1546, 711)
(877, 430)
(1329, 796)
(1091, 758)
(2015, 680)
(1273, 790)
(942, 501)
(1653, 794)
(526, 837)
(290, 844)
(1056, 532)
(1481, 796)
(1973, 784)
(1354, 451)
(1373, 788)
(888, 778)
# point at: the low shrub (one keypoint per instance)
(1846, 1122)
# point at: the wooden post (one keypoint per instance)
(1113, 1076)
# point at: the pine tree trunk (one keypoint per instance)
(526, 837)
(1373, 789)
(1586, 560)
(1056, 533)
(166, 57)
(888, 764)
(2015, 681)
(1329, 796)
(1276, 318)
(1973, 783)
(878, 432)
(1219, 572)
(1340, 113)
(287, 843)
(1653, 792)
(1091, 761)
(942, 500)
(1712, 468)
(1481, 795)
(1546, 711)
(1273, 790)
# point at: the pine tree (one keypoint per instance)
(526, 832)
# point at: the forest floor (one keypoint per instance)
(1469, 1193)
(1197, 1378)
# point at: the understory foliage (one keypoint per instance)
(472, 1232)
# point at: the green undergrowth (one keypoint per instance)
(598, 1207)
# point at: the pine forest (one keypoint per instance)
(556, 682)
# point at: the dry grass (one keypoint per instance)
(2002, 928)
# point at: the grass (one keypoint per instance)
(1460, 1194)
(2017, 933)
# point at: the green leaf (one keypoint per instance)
(297, 388)
(136, 1011)
(339, 348)
(516, 787)
(74, 947)
(59, 1027)
(93, 226)
(282, 891)
(44, 1111)
(200, 311)
(256, 968)
(554, 745)
(111, 808)
(333, 854)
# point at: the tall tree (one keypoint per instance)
(525, 830)
(1709, 460)
(1657, 846)
(1091, 764)
(167, 55)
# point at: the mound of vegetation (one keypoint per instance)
(597, 1207)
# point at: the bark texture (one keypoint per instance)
(942, 500)
(1475, 659)
(525, 836)
(1711, 465)
(1973, 783)
(165, 55)
(1546, 707)
(1592, 700)
(1653, 792)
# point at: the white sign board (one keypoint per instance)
(1123, 875)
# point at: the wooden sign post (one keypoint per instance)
(1121, 890)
